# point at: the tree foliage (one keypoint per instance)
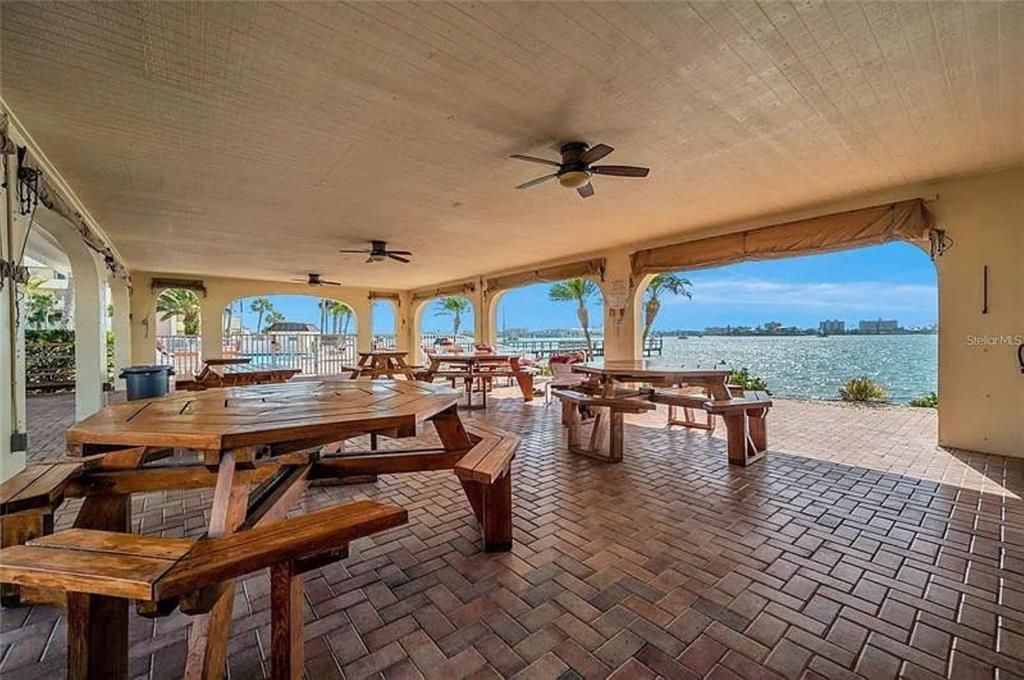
(454, 306)
(181, 304)
(662, 284)
(581, 291)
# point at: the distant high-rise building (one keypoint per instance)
(879, 326)
(832, 327)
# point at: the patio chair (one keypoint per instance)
(562, 376)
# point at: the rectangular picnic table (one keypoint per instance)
(383, 364)
(482, 366)
(258, 448)
(236, 372)
(611, 391)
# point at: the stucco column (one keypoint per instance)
(121, 325)
(12, 349)
(404, 323)
(211, 325)
(88, 275)
(621, 336)
(363, 309)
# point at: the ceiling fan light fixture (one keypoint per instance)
(574, 179)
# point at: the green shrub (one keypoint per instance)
(743, 378)
(930, 400)
(49, 358)
(862, 389)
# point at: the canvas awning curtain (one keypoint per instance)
(383, 295)
(442, 291)
(558, 272)
(905, 220)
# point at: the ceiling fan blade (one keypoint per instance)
(369, 259)
(399, 258)
(620, 170)
(596, 153)
(330, 283)
(400, 252)
(358, 252)
(586, 191)
(534, 159)
(539, 180)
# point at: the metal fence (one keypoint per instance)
(312, 353)
(183, 352)
(545, 347)
(466, 342)
(383, 342)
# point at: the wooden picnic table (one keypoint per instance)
(383, 363)
(236, 372)
(609, 373)
(611, 391)
(258, 448)
(482, 366)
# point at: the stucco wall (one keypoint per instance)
(221, 291)
(981, 387)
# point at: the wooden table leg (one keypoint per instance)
(497, 514)
(286, 610)
(208, 637)
(97, 637)
(19, 529)
(97, 624)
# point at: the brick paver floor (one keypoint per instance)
(856, 548)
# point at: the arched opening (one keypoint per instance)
(178, 327)
(316, 335)
(807, 325)
(546, 318)
(384, 324)
(447, 321)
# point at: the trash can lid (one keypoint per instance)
(154, 368)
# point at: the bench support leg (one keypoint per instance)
(97, 637)
(208, 636)
(525, 381)
(286, 640)
(492, 506)
(746, 437)
(19, 529)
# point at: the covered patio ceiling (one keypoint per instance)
(256, 139)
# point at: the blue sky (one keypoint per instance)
(895, 280)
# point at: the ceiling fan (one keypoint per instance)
(315, 281)
(379, 252)
(576, 169)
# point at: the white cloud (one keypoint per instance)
(854, 295)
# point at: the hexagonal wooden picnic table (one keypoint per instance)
(250, 438)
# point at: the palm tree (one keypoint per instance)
(580, 291)
(323, 305)
(261, 306)
(42, 310)
(453, 306)
(341, 316)
(178, 303)
(662, 283)
(273, 316)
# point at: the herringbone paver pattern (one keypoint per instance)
(856, 548)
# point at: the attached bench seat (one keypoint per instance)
(27, 503)
(746, 418)
(101, 570)
(689, 399)
(486, 476)
(576, 404)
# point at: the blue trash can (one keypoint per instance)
(146, 382)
